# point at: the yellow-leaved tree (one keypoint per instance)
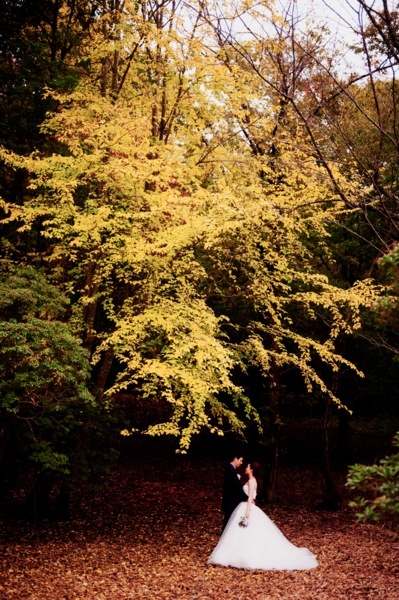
(180, 219)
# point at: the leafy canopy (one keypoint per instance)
(184, 219)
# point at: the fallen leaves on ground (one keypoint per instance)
(150, 534)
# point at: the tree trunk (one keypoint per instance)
(275, 431)
(330, 497)
(62, 504)
(269, 487)
(89, 311)
(104, 75)
(105, 368)
(54, 31)
(37, 500)
(343, 435)
(2, 440)
(115, 66)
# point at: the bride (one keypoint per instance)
(259, 544)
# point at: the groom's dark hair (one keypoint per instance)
(236, 453)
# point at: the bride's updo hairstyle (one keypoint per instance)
(255, 468)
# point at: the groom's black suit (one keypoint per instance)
(233, 493)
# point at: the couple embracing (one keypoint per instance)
(250, 540)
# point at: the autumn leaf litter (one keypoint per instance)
(150, 533)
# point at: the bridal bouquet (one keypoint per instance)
(243, 522)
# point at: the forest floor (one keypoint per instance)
(149, 534)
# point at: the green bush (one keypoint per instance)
(379, 485)
(49, 420)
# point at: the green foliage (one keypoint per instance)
(36, 48)
(380, 485)
(46, 409)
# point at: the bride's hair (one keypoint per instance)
(255, 468)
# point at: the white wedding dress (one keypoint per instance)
(260, 545)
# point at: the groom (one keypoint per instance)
(233, 493)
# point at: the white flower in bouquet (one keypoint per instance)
(243, 522)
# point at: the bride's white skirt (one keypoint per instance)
(260, 545)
